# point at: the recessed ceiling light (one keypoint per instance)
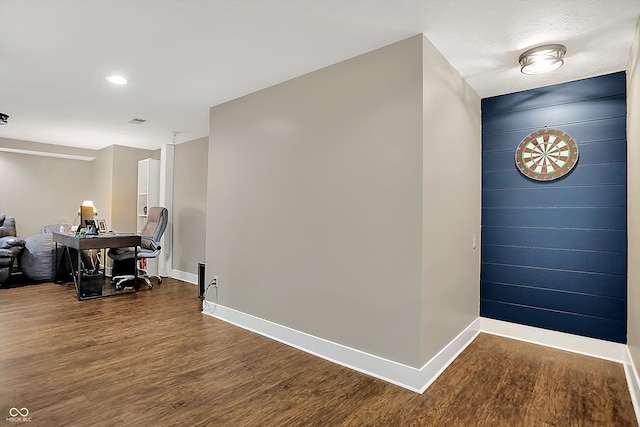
(542, 59)
(117, 80)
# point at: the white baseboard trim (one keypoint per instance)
(633, 382)
(438, 363)
(574, 343)
(184, 276)
(418, 380)
(396, 373)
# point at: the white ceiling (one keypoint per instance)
(183, 56)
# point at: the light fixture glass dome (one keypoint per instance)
(542, 59)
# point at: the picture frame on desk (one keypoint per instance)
(102, 225)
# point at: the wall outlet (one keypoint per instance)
(475, 241)
(215, 282)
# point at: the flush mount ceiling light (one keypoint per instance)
(542, 59)
(116, 79)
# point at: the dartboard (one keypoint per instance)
(546, 155)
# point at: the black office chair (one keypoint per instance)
(149, 248)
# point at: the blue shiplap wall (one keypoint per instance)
(554, 254)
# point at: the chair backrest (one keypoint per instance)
(157, 219)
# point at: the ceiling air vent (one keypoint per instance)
(137, 121)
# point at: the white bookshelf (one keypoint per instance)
(148, 196)
(148, 189)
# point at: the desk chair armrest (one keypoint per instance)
(148, 244)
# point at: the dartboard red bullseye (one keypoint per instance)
(546, 155)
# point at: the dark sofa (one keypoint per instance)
(10, 247)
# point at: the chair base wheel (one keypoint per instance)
(119, 281)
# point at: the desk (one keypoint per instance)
(102, 241)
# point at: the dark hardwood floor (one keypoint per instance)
(153, 359)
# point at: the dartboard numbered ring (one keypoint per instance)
(546, 155)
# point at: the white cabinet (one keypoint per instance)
(148, 188)
(148, 196)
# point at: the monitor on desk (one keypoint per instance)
(86, 213)
(92, 228)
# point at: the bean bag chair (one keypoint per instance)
(38, 258)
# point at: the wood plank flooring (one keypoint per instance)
(153, 359)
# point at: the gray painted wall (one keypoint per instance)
(125, 187)
(315, 203)
(47, 190)
(190, 204)
(114, 185)
(451, 204)
(633, 191)
(39, 190)
(102, 184)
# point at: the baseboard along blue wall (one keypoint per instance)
(554, 254)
